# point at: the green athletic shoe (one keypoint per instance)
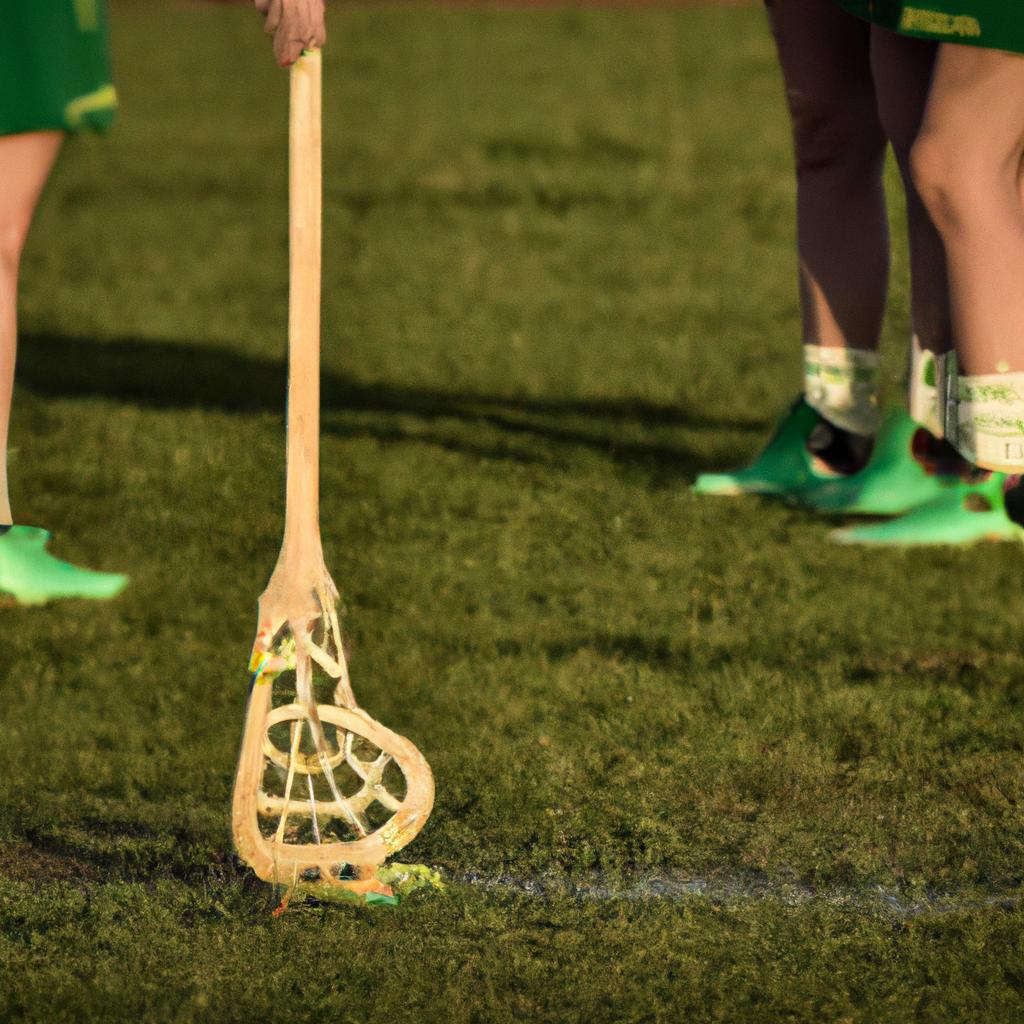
(786, 465)
(896, 479)
(966, 513)
(31, 575)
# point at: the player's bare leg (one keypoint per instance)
(28, 574)
(843, 250)
(902, 69)
(839, 149)
(25, 164)
(967, 162)
(967, 166)
(912, 466)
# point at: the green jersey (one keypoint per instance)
(997, 24)
(55, 66)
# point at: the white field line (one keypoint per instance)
(874, 898)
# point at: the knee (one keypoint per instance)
(833, 132)
(950, 180)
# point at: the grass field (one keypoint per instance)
(693, 763)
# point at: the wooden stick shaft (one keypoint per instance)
(302, 529)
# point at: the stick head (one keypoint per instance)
(324, 793)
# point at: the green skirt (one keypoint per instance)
(997, 24)
(55, 66)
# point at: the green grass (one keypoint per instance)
(559, 281)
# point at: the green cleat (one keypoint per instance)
(897, 478)
(31, 575)
(966, 513)
(787, 465)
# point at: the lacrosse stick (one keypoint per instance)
(324, 794)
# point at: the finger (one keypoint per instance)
(275, 12)
(315, 34)
(312, 25)
(304, 28)
(262, 6)
(287, 51)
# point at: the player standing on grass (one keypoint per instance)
(54, 80)
(967, 163)
(851, 88)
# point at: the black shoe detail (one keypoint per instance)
(939, 458)
(838, 450)
(1013, 498)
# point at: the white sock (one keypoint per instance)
(987, 413)
(842, 384)
(923, 388)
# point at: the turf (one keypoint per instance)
(692, 762)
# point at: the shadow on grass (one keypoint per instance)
(115, 851)
(165, 374)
